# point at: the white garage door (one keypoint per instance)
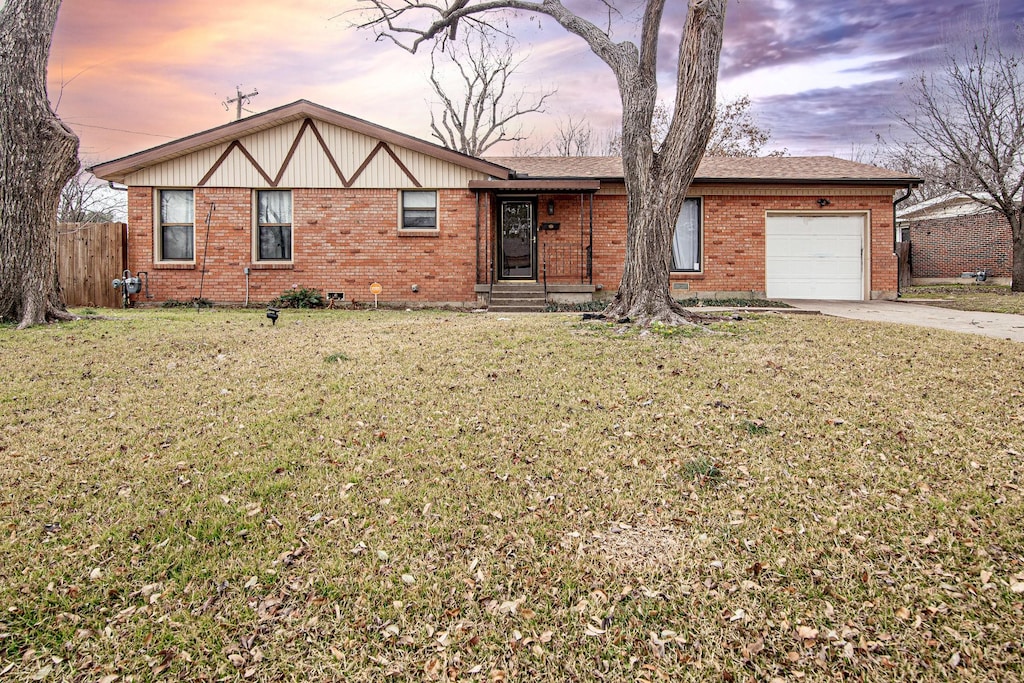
(814, 257)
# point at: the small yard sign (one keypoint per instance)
(375, 289)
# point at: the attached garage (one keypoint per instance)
(815, 256)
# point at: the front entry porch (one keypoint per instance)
(537, 233)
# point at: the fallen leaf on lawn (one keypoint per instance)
(592, 630)
(433, 667)
(1017, 587)
(408, 579)
(807, 632)
(546, 636)
(986, 576)
(903, 613)
(752, 649)
(95, 574)
(42, 673)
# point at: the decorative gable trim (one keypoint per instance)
(310, 125)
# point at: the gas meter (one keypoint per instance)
(129, 285)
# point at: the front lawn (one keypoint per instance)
(369, 496)
(969, 297)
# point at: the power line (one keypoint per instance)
(118, 130)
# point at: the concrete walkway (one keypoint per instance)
(999, 325)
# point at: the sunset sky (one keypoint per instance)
(131, 74)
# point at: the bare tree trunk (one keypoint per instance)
(1017, 270)
(38, 155)
(657, 182)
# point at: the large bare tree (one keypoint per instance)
(968, 116)
(657, 179)
(38, 154)
(484, 108)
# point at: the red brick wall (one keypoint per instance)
(346, 239)
(947, 247)
(734, 251)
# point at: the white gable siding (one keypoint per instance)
(309, 165)
(182, 172)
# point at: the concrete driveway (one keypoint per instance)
(999, 325)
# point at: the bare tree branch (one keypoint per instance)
(480, 111)
(967, 120)
(573, 138)
(85, 199)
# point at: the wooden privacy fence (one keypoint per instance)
(89, 257)
(903, 256)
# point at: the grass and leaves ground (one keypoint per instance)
(373, 496)
(969, 297)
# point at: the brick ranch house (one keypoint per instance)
(953, 234)
(305, 195)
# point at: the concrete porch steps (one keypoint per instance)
(517, 297)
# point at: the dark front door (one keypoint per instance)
(517, 242)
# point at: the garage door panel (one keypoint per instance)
(814, 257)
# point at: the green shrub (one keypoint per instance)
(299, 297)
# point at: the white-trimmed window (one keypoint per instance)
(419, 210)
(273, 225)
(176, 234)
(686, 240)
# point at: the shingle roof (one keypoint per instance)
(722, 169)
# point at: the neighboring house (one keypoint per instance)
(955, 234)
(304, 195)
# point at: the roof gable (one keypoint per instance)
(263, 149)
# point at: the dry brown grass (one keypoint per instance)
(441, 496)
(970, 297)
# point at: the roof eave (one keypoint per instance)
(870, 182)
(537, 185)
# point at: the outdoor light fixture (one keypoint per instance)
(551, 207)
(823, 202)
(272, 314)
